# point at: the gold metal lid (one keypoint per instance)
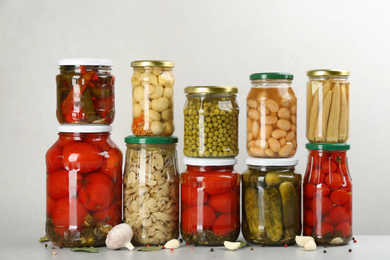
(210, 89)
(152, 63)
(326, 72)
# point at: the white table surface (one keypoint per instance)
(367, 247)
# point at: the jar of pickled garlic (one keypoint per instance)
(85, 91)
(151, 189)
(327, 107)
(152, 82)
(271, 116)
(271, 197)
(211, 122)
(210, 201)
(83, 186)
(327, 195)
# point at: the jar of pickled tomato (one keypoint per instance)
(327, 107)
(211, 122)
(153, 83)
(210, 201)
(85, 91)
(151, 189)
(271, 116)
(83, 186)
(271, 196)
(327, 195)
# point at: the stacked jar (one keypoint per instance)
(327, 187)
(151, 179)
(271, 195)
(84, 166)
(210, 187)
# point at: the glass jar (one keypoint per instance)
(152, 82)
(271, 198)
(327, 195)
(85, 91)
(211, 122)
(210, 201)
(327, 107)
(271, 116)
(83, 186)
(151, 189)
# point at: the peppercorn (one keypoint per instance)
(350, 250)
(211, 249)
(325, 251)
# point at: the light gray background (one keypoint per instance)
(211, 43)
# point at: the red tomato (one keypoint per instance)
(193, 195)
(110, 216)
(66, 139)
(348, 205)
(224, 203)
(321, 205)
(339, 214)
(68, 212)
(62, 183)
(118, 188)
(344, 228)
(100, 141)
(327, 219)
(309, 218)
(307, 203)
(333, 180)
(322, 190)
(226, 224)
(97, 192)
(217, 183)
(325, 229)
(202, 217)
(112, 163)
(329, 166)
(307, 231)
(49, 205)
(339, 197)
(309, 190)
(316, 158)
(316, 176)
(54, 159)
(81, 156)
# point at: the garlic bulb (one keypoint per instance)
(120, 236)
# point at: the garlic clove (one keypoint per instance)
(173, 243)
(310, 246)
(302, 240)
(232, 245)
(120, 236)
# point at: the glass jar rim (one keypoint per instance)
(271, 162)
(85, 62)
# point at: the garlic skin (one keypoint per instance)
(120, 236)
(172, 244)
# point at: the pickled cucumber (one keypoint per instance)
(290, 206)
(275, 178)
(273, 214)
(253, 207)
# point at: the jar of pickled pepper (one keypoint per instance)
(327, 194)
(210, 201)
(271, 116)
(211, 122)
(85, 91)
(327, 108)
(153, 83)
(83, 186)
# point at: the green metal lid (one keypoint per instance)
(271, 75)
(131, 139)
(327, 147)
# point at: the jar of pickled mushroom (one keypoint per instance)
(271, 116)
(152, 82)
(327, 194)
(85, 91)
(211, 122)
(151, 189)
(271, 198)
(210, 201)
(83, 186)
(327, 107)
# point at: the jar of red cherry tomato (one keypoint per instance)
(85, 91)
(327, 195)
(83, 186)
(210, 201)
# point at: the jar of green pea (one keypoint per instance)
(211, 122)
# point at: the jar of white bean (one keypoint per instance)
(152, 83)
(271, 116)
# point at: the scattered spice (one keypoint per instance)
(163, 247)
(251, 248)
(353, 238)
(147, 245)
(261, 245)
(171, 250)
(350, 250)
(192, 248)
(285, 245)
(211, 249)
(43, 239)
(325, 251)
(188, 243)
(45, 245)
(54, 253)
(53, 247)
(355, 241)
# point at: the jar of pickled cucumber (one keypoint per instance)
(271, 198)
(327, 194)
(327, 107)
(210, 201)
(152, 82)
(83, 186)
(211, 122)
(85, 91)
(151, 189)
(271, 116)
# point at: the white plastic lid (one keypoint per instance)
(73, 128)
(209, 162)
(271, 162)
(85, 61)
